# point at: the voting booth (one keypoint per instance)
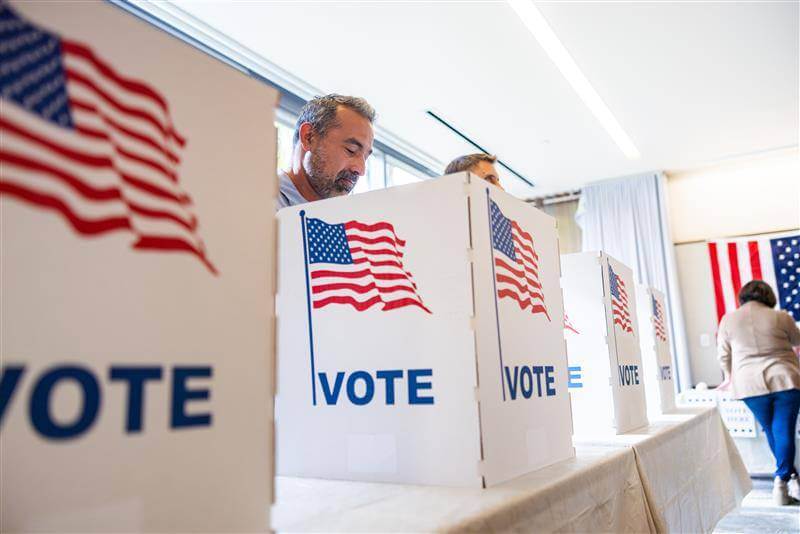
(606, 380)
(136, 218)
(659, 383)
(420, 337)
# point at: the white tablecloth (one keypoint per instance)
(690, 469)
(680, 474)
(598, 490)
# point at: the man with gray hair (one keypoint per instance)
(332, 141)
(481, 165)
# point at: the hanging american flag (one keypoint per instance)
(774, 259)
(619, 301)
(517, 266)
(86, 142)
(658, 319)
(360, 265)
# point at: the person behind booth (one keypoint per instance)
(332, 141)
(481, 165)
(755, 352)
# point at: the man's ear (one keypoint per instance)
(306, 135)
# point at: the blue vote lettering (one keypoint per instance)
(360, 386)
(574, 377)
(136, 377)
(520, 381)
(629, 375)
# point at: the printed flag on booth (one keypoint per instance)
(658, 319)
(517, 265)
(619, 301)
(359, 265)
(774, 259)
(90, 143)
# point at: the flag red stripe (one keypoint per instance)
(386, 263)
(376, 251)
(400, 303)
(86, 159)
(323, 273)
(522, 289)
(733, 259)
(718, 295)
(156, 166)
(93, 161)
(190, 225)
(81, 225)
(134, 86)
(359, 288)
(87, 191)
(154, 189)
(361, 306)
(523, 303)
(625, 327)
(78, 78)
(371, 240)
(499, 262)
(174, 244)
(110, 122)
(755, 260)
(355, 225)
(531, 256)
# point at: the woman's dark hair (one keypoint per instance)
(759, 291)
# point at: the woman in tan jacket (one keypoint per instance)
(755, 351)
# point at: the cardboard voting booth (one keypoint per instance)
(420, 337)
(659, 383)
(606, 380)
(136, 219)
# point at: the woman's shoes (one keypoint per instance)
(793, 487)
(785, 491)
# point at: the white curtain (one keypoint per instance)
(627, 218)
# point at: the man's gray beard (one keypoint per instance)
(324, 186)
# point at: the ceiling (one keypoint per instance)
(691, 83)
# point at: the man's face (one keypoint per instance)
(486, 170)
(336, 160)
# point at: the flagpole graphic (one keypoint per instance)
(308, 303)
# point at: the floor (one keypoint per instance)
(759, 515)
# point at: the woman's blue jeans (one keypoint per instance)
(777, 414)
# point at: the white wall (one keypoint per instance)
(753, 196)
(758, 195)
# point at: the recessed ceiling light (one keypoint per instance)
(548, 40)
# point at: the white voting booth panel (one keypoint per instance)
(396, 313)
(659, 384)
(606, 379)
(136, 202)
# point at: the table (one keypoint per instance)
(689, 466)
(681, 473)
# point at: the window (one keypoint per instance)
(398, 173)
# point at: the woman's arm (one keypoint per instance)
(791, 328)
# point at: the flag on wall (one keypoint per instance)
(360, 265)
(517, 266)
(82, 139)
(619, 301)
(774, 259)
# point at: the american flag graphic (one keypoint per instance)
(517, 265)
(774, 259)
(619, 301)
(360, 265)
(86, 142)
(658, 319)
